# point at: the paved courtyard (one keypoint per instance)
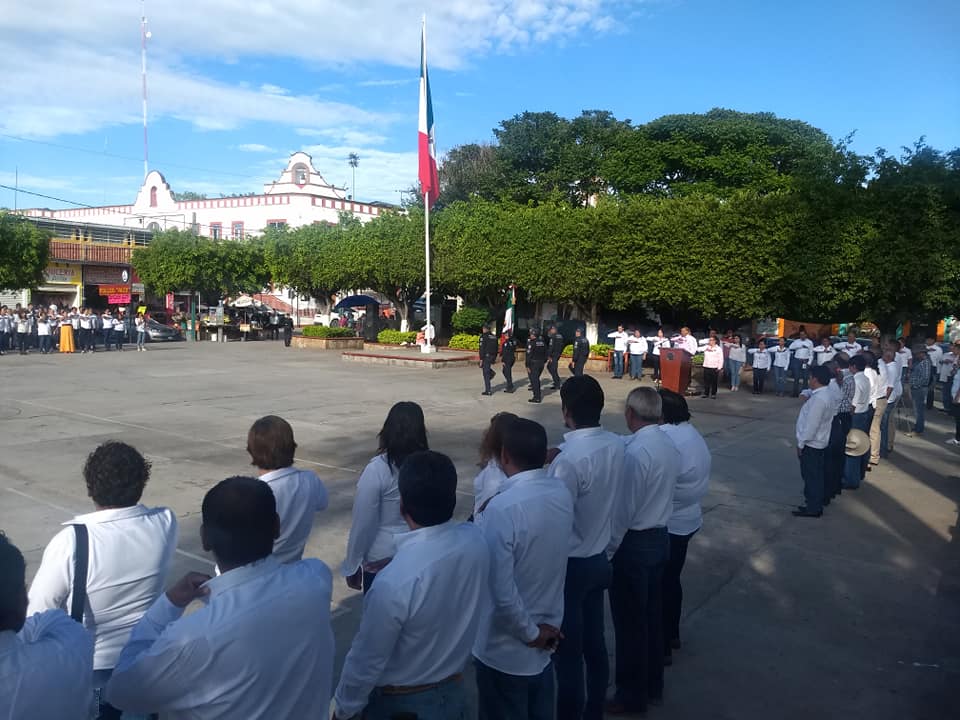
(855, 615)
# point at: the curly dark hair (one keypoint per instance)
(12, 586)
(403, 433)
(116, 474)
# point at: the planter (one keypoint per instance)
(331, 343)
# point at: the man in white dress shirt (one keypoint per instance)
(935, 355)
(590, 464)
(262, 647)
(129, 548)
(687, 342)
(524, 526)
(421, 616)
(855, 468)
(802, 349)
(46, 660)
(641, 548)
(850, 346)
(619, 348)
(299, 493)
(813, 435)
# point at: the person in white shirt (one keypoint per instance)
(85, 320)
(935, 355)
(619, 348)
(488, 481)
(825, 351)
(46, 660)
(439, 579)
(948, 368)
(43, 333)
(141, 327)
(880, 390)
(850, 346)
(761, 361)
(802, 349)
(376, 505)
(526, 526)
(955, 405)
(129, 549)
(813, 435)
(855, 468)
(888, 429)
(686, 341)
(736, 357)
(590, 464)
(641, 550)
(781, 357)
(262, 644)
(904, 358)
(637, 344)
(300, 494)
(693, 478)
(657, 343)
(106, 328)
(712, 367)
(119, 336)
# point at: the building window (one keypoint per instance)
(154, 227)
(153, 196)
(237, 231)
(216, 231)
(276, 224)
(301, 176)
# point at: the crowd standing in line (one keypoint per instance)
(68, 330)
(519, 589)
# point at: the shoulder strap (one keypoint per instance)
(81, 557)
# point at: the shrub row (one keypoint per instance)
(462, 341)
(395, 337)
(322, 331)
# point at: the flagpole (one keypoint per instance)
(426, 225)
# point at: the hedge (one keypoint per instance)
(395, 337)
(462, 341)
(469, 319)
(322, 331)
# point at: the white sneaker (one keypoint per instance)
(953, 441)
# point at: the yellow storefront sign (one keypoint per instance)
(62, 274)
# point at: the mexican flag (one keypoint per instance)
(511, 304)
(429, 182)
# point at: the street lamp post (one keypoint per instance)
(353, 159)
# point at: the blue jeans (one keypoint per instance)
(586, 581)
(514, 697)
(636, 603)
(447, 701)
(141, 336)
(812, 466)
(733, 372)
(800, 369)
(780, 379)
(618, 363)
(919, 396)
(636, 366)
(944, 394)
(855, 468)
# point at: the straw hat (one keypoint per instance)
(858, 443)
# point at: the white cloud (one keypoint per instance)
(255, 148)
(346, 136)
(380, 174)
(386, 83)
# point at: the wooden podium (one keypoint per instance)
(675, 370)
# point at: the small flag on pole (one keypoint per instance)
(511, 302)
(429, 182)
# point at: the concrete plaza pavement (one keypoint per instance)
(854, 615)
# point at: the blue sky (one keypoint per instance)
(233, 92)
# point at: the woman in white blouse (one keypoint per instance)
(491, 477)
(376, 506)
(736, 357)
(761, 365)
(657, 342)
(781, 363)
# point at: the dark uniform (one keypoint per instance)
(581, 351)
(287, 331)
(488, 356)
(554, 351)
(536, 359)
(508, 355)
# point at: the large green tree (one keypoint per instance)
(24, 253)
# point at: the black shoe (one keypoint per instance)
(535, 400)
(704, 396)
(509, 390)
(803, 512)
(486, 392)
(555, 387)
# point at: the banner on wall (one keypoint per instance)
(119, 299)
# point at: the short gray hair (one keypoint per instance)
(646, 404)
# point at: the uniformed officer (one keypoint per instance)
(581, 351)
(508, 355)
(488, 356)
(536, 359)
(554, 351)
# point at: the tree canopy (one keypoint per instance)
(24, 253)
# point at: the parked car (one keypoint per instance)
(158, 332)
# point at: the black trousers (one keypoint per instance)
(711, 378)
(487, 370)
(759, 377)
(833, 467)
(578, 366)
(673, 590)
(508, 375)
(655, 361)
(552, 369)
(287, 336)
(23, 342)
(534, 372)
